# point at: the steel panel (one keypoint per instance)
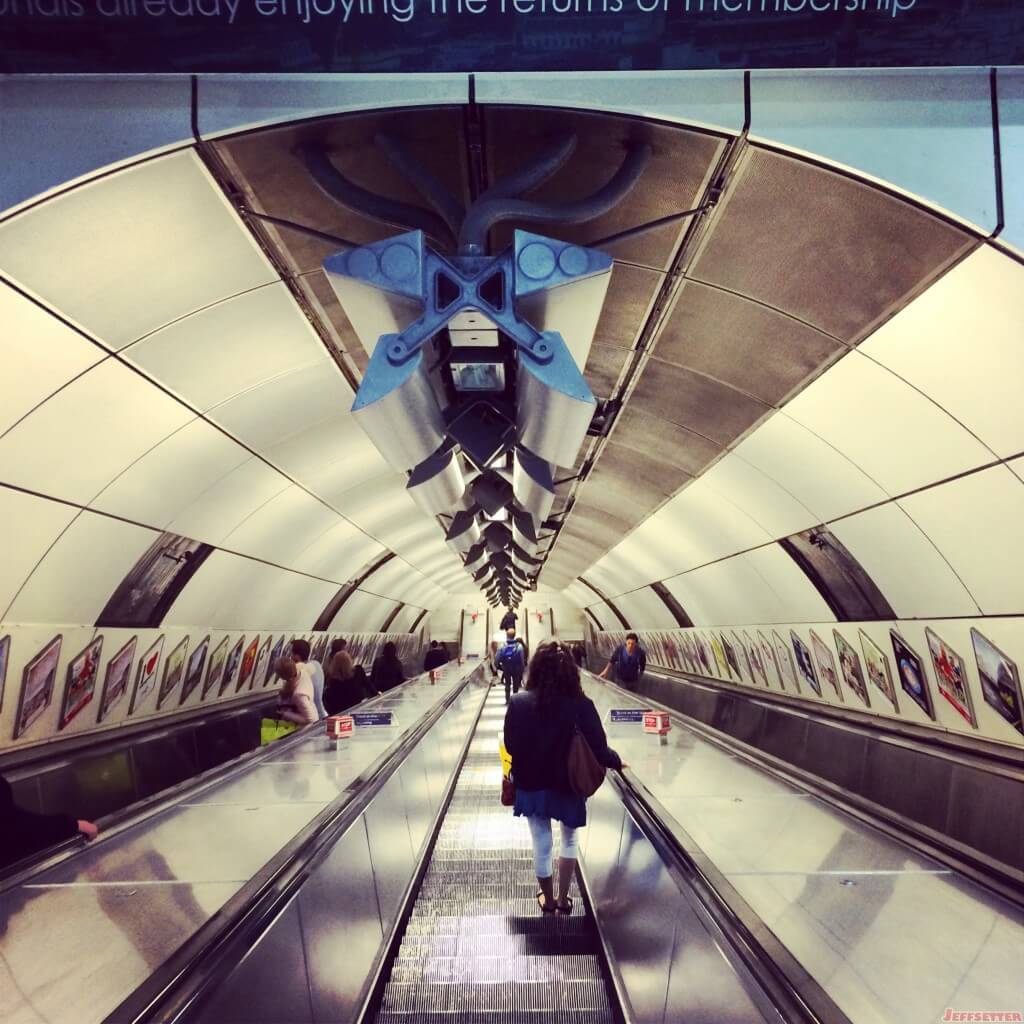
(341, 926)
(986, 812)
(391, 853)
(271, 985)
(901, 779)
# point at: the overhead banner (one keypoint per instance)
(501, 35)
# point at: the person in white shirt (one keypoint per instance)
(300, 655)
(296, 696)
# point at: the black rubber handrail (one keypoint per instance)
(205, 959)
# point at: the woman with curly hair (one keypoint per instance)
(539, 727)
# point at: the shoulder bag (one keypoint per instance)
(586, 773)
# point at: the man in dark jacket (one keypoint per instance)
(435, 657)
(511, 662)
(629, 661)
(508, 620)
(23, 833)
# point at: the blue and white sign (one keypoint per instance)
(369, 718)
(619, 715)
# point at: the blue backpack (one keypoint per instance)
(510, 658)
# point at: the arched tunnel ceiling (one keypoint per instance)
(711, 325)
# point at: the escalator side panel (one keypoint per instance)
(341, 926)
(270, 985)
(671, 967)
(391, 854)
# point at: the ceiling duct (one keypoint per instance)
(534, 488)
(437, 484)
(475, 353)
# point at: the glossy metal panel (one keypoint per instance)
(895, 946)
(391, 854)
(986, 812)
(164, 761)
(101, 943)
(600, 840)
(899, 778)
(99, 785)
(271, 985)
(341, 926)
(417, 799)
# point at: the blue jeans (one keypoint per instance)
(540, 832)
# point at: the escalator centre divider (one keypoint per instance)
(347, 853)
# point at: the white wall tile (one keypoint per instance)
(796, 597)
(362, 612)
(645, 610)
(172, 476)
(81, 571)
(132, 251)
(233, 498)
(959, 342)
(281, 528)
(40, 354)
(88, 433)
(338, 553)
(895, 434)
(914, 578)
(818, 476)
(28, 525)
(760, 497)
(977, 522)
(230, 347)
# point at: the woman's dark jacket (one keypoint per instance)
(538, 739)
(386, 673)
(23, 833)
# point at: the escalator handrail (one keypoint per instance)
(205, 958)
(133, 814)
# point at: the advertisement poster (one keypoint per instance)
(174, 672)
(233, 664)
(118, 675)
(951, 676)
(259, 673)
(707, 660)
(194, 672)
(81, 681)
(911, 674)
(215, 675)
(5, 657)
(274, 655)
(876, 664)
(849, 663)
(145, 678)
(720, 659)
(770, 660)
(731, 657)
(756, 659)
(784, 658)
(1000, 681)
(37, 685)
(248, 663)
(826, 665)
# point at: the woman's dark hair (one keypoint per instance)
(553, 673)
(390, 652)
(338, 644)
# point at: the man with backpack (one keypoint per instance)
(511, 662)
(629, 661)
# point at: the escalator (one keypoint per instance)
(475, 946)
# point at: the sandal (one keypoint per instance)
(567, 909)
(543, 905)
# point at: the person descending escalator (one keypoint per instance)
(435, 657)
(387, 671)
(23, 832)
(629, 661)
(295, 700)
(539, 728)
(511, 662)
(508, 620)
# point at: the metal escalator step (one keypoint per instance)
(515, 1016)
(461, 996)
(492, 969)
(532, 944)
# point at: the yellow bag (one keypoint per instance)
(274, 729)
(506, 757)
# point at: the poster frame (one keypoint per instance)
(854, 675)
(992, 699)
(108, 701)
(966, 711)
(142, 688)
(923, 699)
(215, 663)
(167, 683)
(194, 670)
(247, 665)
(23, 721)
(67, 715)
(889, 690)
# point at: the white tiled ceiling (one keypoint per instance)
(960, 344)
(40, 354)
(130, 252)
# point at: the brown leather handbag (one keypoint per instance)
(586, 773)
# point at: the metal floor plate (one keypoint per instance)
(476, 947)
